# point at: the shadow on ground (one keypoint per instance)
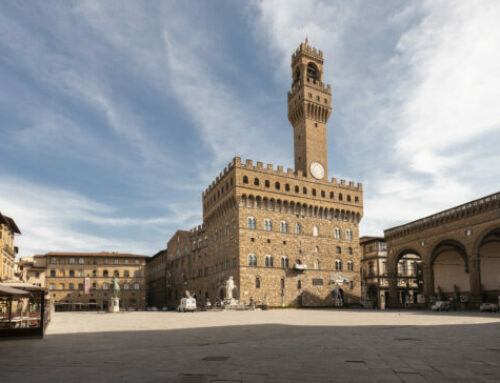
(260, 353)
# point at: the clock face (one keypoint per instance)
(317, 170)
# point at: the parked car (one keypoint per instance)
(441, 306)
(187, 304)
(493, 307)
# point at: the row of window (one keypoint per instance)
(285, 264)
(277, 186)
(268, 226)
(105, 273)
(104, 286)
(105, 261)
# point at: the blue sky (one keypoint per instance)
(116, 115)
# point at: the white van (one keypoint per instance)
(187, 304)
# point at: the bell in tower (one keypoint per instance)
(309, 107)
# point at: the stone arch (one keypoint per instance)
(487, 263)
(449, 267)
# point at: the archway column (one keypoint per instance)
(392, 278)
(475, 280)
(428, 280)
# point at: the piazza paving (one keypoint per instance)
(259, 346)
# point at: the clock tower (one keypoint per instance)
(309, 107)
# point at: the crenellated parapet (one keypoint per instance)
(306, 50)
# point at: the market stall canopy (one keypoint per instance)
(11, 291)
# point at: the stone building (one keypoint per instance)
(458, 250)
(8, 229)
(67, 273)
(287, 237)
(31, 270)
(374, 275)
(156, 284)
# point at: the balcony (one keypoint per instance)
(300, 267)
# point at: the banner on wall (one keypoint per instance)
(87, 285)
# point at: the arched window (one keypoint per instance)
(316, 264)
(297, 75)
(251, 223)
(277, 185)
(252, 260)
(340, 196)
(267, 183)
(336, 233)
(348, 234)
(268, 225)
(304, 190)
(314, 192)
(299, 284)
(126, 286)
(338, 265)
(245, 179)
(338, 250)
(332, 195)
(116, 273)
(287, 187)
(72, 273)
(256, 182)
(348, 198)
(350, 266)
(284, 262)
(257, 282)
(315, 231)
(356, 199)
(269, 261)
(349, 250)
(284, 227)
(323, 194)
(104, 286)
(312, 72)
(316, 249)
(94, 273)
(126, 274)
(105, 273)
(296, 189)
(298, 229)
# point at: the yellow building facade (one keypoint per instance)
(8, 251)
(67, 274)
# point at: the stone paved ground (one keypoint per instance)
(261, 346)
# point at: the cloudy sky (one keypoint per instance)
(115, 115)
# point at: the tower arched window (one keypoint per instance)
(277, 186)
(252, 260)
(269, 261)
(338, 250)
(257, 282)
(256, 182)
(284, 262)
(350, 266)
(267, 183)
(348, 198)
(304, 190)
(340, 197)
(349, 250)
(298, 229)
(297, 75)
(268, 225)
(315, 231)
(337, 233)
(251, 223)
(316, 264)
(245, 179)
(348, 234)
(312, 72)
(296, 189)
(314, 192)
(338, 265)
(284, 227)
(287, 187)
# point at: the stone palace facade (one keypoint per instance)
(287, 237)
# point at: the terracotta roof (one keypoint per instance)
(101, 254)
(368, 239)
(9, 222)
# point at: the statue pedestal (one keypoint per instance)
(114, 305)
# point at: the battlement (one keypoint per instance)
(306, 50)
(197, 230)
(299, 176)
(279, 171)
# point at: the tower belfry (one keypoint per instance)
(309, 107)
